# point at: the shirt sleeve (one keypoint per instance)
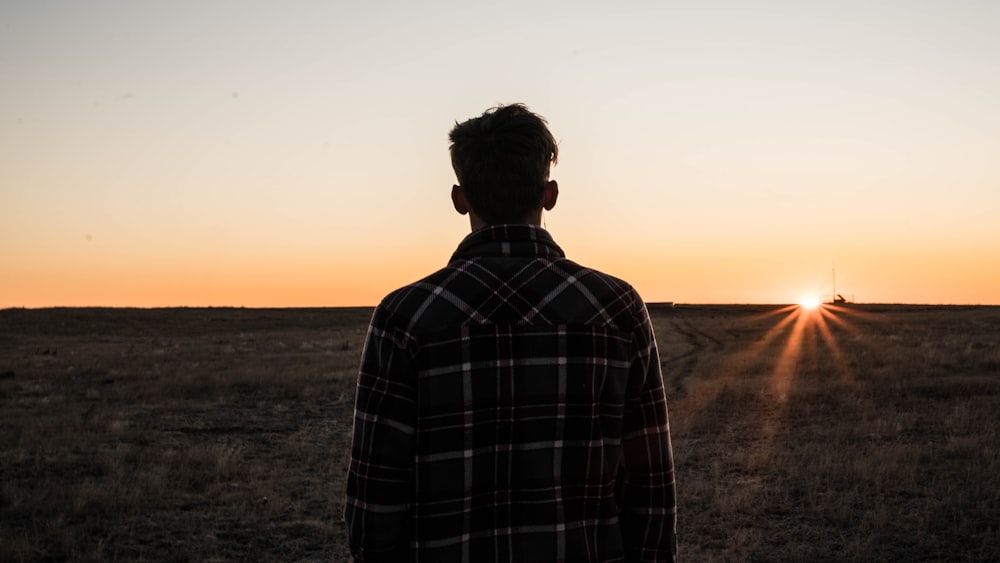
(379, 480)
(648, 510)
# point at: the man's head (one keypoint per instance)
(502, 160)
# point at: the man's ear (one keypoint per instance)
(549, 195)
(458, 200)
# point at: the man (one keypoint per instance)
(510, 406)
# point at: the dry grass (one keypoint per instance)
(216, 434)
(861, 434)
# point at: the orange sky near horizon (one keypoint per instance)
(210, 154)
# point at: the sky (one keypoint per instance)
(266, 154)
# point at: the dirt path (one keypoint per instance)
(682, 345)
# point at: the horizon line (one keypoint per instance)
(648, 304)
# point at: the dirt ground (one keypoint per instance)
(847, 434)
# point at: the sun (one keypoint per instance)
(809, 303)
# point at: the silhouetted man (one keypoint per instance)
(510, 407)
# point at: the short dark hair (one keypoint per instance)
(502, 160)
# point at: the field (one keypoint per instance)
(860, 433)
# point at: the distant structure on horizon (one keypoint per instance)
(836, 298)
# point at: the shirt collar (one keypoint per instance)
(508, 241)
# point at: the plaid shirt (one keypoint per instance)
(510, 407)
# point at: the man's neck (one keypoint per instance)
(535, 219)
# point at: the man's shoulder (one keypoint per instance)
(598, 277)
(413, 293)
(616, 299)
(406, 303)
(552, 291)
